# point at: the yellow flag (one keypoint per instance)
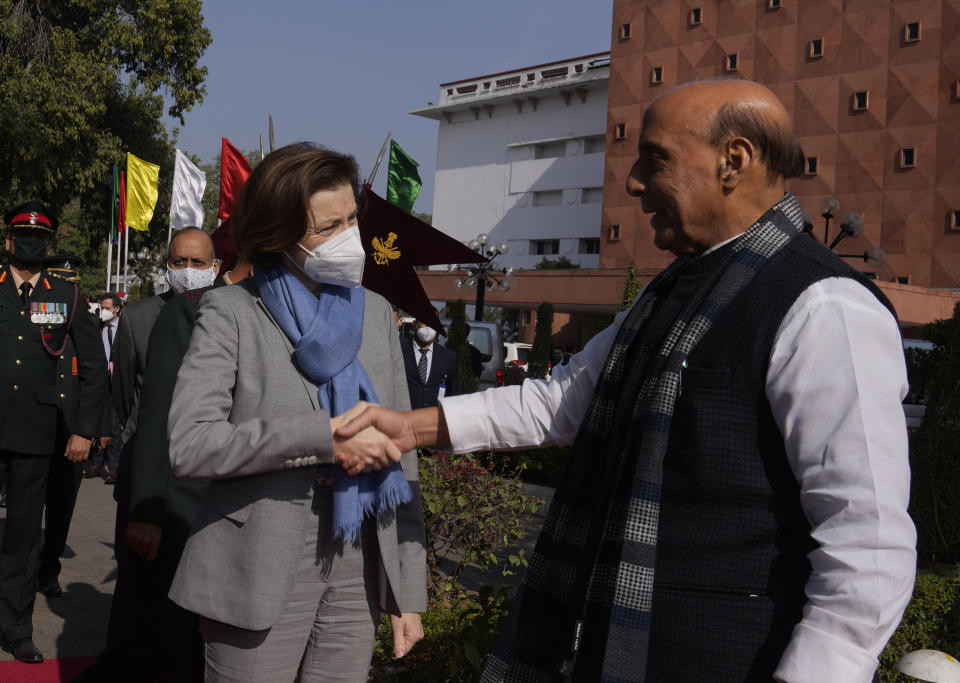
(142, 192)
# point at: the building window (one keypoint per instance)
(908, 157)
(545, 247)
(955, 219)
(550, 150)
(812, 166)
(525, 317)
(656, 75)
(548, 198)
(591, 195)
(695, 17)
(774, 4)
(614, 232)
(589, 246)
(816, 48)
(911, 32)
(956, 89)
(594, 144)
(625, 32)
(511, 80)
(861, 100)
(732, 62)
(531, 77)
(620, 132)
(449, 91)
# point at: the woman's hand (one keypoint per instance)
(367, 450)
(407, 632)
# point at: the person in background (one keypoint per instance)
(38, 315)
(431, 368)
(63, 481)
(291, 559)
(148, 634)
(107, 462)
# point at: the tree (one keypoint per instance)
(540, 354)
(631, 288)
(80, 85)
(935, 480)
(457, 341)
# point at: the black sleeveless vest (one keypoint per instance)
(731, 560)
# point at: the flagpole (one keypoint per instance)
(126, 263)
(383, 150)
(113, 221)
(119, 246)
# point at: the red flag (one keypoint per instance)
(122, 206)
(234, 171)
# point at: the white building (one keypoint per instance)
(520, 157)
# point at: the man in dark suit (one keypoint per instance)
(65, 476)
(190, 249)
(431, 369)
(38, 314)
(149, 633)
(105, 463)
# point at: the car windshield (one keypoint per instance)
(523, 355)
(481, 339)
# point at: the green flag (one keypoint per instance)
(403, 181)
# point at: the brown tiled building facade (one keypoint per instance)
(873, 87)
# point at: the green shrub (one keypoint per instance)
(457, 637)
(457, 342)
(931, 621)
(534, 465)
(631, 288)
(935, 477)
(472, 511)
(541, 353)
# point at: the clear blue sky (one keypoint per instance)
(345, 73)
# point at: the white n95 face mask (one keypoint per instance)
(338, 261)
(184, 279)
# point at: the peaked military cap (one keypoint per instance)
(31, 215)
(64, 266)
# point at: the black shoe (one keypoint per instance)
(91, 472)
(24, 650)
(50, 588)
(110, 478)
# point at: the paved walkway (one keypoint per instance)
(75, 624)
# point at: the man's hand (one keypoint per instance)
(104, 442)
(407, 631)
(78, 448)
(144, 539)
(396, 425)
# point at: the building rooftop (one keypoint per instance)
(568, 77)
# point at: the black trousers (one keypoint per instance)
(63, 484)
(25, 477)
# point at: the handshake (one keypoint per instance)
(368, 438)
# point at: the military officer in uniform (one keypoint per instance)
(65, 476)
(38, 315)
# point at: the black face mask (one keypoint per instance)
(29, 249)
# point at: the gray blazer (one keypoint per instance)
(244, 415)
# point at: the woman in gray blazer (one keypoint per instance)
(292, 559)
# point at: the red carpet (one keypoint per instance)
(51, 671)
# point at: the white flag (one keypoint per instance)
(189, 183)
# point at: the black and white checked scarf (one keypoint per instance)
(583, 610)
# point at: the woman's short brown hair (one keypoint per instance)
(273, 208)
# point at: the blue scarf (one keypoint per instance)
(326, 332)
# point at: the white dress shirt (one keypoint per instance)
(835, 383)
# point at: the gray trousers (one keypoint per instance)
(326, 632)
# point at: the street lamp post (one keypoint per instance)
(851, 225)
(485, 276)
